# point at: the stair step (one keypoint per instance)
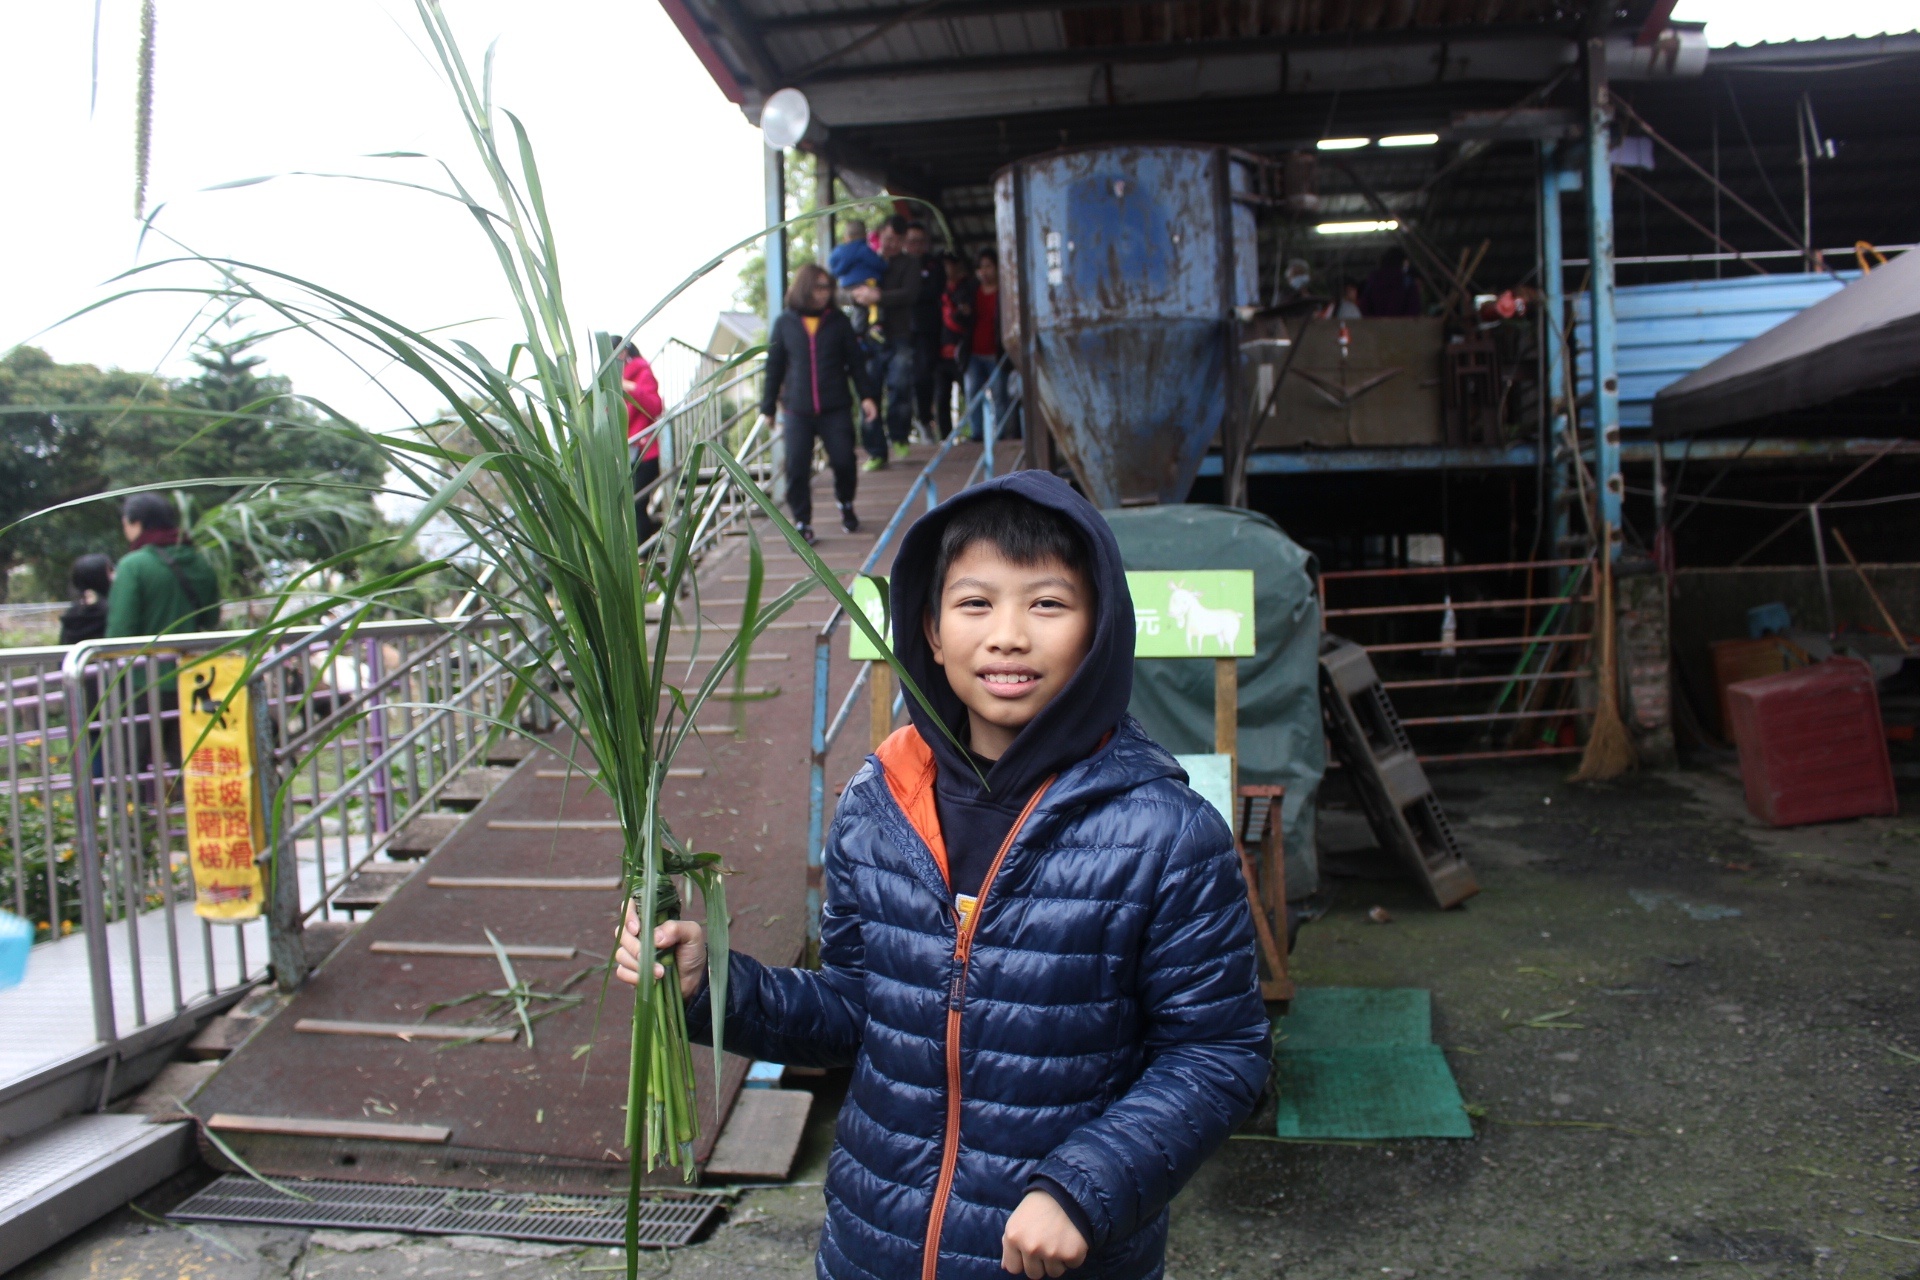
(368, 887)
(511, 749)
(423, 835)
(220, 1037)
(56, 1181)
(473, 786)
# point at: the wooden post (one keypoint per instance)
(880, 683)
(1226, 714)
(286, 943)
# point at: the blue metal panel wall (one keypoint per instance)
(1666, 331)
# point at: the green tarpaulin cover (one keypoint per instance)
(1281, 741)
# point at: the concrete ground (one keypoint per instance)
(1731, 1086)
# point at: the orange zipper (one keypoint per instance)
(956, 995)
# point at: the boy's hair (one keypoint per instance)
(852, 229)
(150, 511)
(1021, 530)
(899, 224)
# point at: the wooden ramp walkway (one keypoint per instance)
(343, 1084)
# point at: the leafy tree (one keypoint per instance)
(53, 455)
(229, 419)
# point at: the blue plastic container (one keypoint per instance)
(1121, 268)
(16, 940)
(1766, 619)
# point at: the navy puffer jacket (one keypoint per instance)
(1100, 1029)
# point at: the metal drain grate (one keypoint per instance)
(667, 1219)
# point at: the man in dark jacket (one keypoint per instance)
(928, 330)
(897, 296)
(1035, 947)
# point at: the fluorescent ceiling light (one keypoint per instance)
(1410, 140)
(1356, 228)
(1342, 144)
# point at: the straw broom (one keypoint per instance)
(1609, 750)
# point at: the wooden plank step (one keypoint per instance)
(298, 1127)
(728, 628)
(408, 1031)
(368, 887)
(762, 1135)
(582, 776)
(510, 882)
(553, 824)
(511, 749)
(516, 951)
(423, 834)
(473, 786)
(220, 1037)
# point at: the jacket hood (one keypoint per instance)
(1087, 710)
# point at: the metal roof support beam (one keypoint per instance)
(775, 244)
(1093, 55)
(1606, 354)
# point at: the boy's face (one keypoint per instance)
(1010, 637)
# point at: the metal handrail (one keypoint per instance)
(385, 768)
(826, 731)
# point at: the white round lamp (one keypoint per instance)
(783, 120)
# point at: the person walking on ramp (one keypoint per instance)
(812, 360)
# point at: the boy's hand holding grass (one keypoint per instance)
(683, 939)
(1041, 1239)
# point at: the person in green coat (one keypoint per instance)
(162, 586)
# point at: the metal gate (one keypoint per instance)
(1482, 661)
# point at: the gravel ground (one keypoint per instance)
(1731, 1086)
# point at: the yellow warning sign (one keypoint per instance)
(223, 816)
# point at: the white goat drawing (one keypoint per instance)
(1200, 623)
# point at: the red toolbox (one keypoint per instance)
(1811, 745)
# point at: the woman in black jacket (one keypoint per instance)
(86, 617)
(812, 357)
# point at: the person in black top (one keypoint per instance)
(812, 356)
(897, 297)
(86, 617)
(927, 328)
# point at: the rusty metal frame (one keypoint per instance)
(1549, 643)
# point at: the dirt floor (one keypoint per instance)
(1731, 1086)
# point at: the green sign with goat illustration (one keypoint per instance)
(1203, 613)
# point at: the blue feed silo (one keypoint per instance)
(1122, 267)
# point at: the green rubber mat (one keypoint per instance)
(1358, 1063)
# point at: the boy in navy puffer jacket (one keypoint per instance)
(1035, 949)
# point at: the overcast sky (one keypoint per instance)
(647, 168)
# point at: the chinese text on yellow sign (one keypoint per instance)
(223, 820)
